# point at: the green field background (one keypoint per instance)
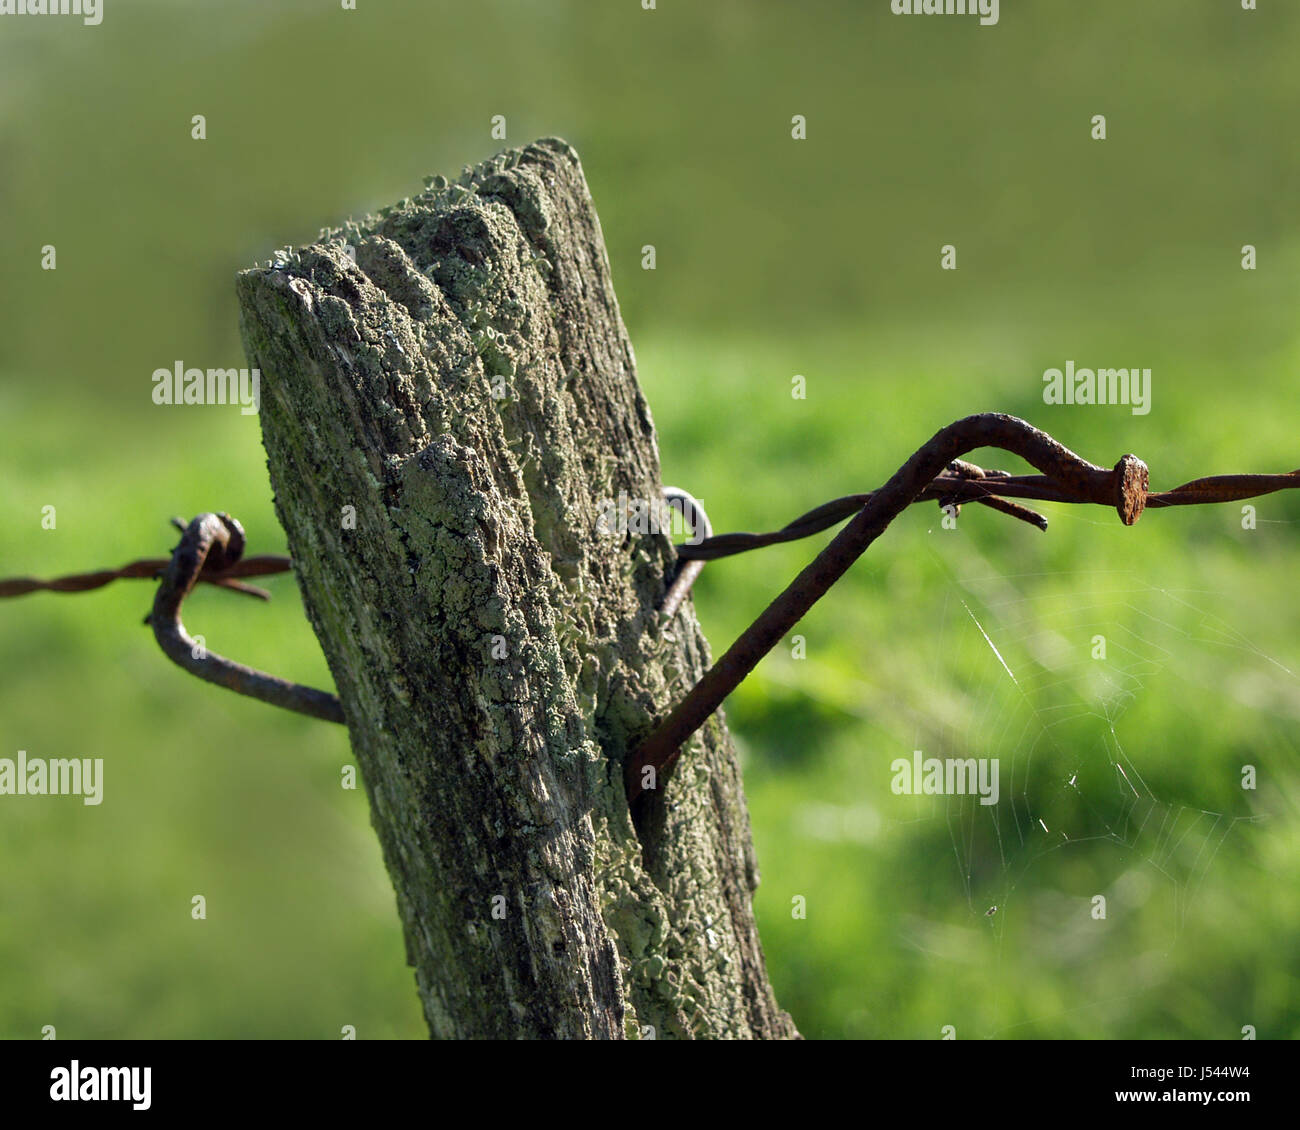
(1121, 777)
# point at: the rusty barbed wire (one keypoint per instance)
(153, 568)
(219, 539)
(993, 487)
(935, 472)
(211, 552)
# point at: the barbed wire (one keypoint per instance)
(153, 568)
(211, 551)
(935, 472)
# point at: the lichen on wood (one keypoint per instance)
(448, 397)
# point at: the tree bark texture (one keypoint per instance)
(449, 404)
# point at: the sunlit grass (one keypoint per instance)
(773, 260)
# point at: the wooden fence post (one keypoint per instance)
(451, 413)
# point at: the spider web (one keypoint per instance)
(1047, 686)
(1136, 818)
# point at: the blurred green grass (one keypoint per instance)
(774, 258)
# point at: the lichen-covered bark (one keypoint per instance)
(444, 417)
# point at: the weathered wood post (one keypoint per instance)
(444, 416)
